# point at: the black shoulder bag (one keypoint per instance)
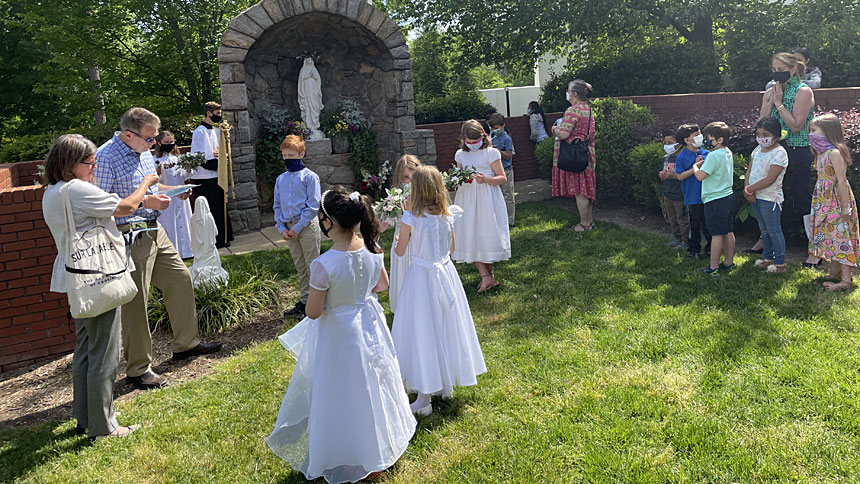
(573, 156)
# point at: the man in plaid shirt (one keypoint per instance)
(121, 164)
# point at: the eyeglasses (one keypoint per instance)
(90, 163)
(148, 140)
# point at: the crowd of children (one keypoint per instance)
(697, 175)
(346, 414)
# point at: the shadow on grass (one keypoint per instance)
(23, 450)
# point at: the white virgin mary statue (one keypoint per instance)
(310, 97)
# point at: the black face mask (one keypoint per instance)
(167, 148)
(781, 76)
(216, 118)
(322, 227)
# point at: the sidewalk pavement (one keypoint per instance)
(268, 237)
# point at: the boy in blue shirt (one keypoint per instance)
(716, 173)
(502, 141)
(691, 136)
(297, 202)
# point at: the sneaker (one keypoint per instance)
(673, 244)
(682, 246)
(709, 271)
(724, 267)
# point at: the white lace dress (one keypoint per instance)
(345, 414)
(482, 232)
(433, 330)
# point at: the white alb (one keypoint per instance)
(207, 261)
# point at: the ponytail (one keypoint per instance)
(369, 226)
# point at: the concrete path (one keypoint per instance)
(268, 237)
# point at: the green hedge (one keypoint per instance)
(452, 107)
(647, 160)
(544, 151)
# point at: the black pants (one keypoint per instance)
(798, 181)
(214, 194)
(697, 229)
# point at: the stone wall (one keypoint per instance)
(363, 56)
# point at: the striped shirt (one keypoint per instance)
(120, 169)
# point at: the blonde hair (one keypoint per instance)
(428, 193)
(406, 162)
(832, 127)
(164, 134)
(789, 60)
(66, 152)
(472, 129)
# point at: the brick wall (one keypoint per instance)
(33, 323)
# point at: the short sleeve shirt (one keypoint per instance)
(759, 168)
(719, 166)
(691, 187)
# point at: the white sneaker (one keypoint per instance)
(447, 394)
(424, 411)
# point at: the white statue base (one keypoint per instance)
(207, 262)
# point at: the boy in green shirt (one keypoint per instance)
(716, 173)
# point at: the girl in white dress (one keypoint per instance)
(433, 330)
(402, 175)
(176, 218)
(482, 232)
(346, 414)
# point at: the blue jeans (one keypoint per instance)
(768, 216)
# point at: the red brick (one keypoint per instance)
(15, 366)
(5, 360)
(71, 337)
(37, 205)
(28, 216)
(62, 348)
(47, 260)
(20, 264)
(45, 242)
(8, 255)
(30, 196)
(5, 322)
(6, 238)
(45, 278)
(46, 342)
(14, 349)
(42, 251)
(7, 219)
(34, 353)
(12, 312)
(23, 282)
(21, 245)
(9, 276)
(47, 323)
(32, 317)
(35, 233)
(31, 336)
(14, 330)
(38, 270)
(44, 306)
(18, 196)
(24, 301)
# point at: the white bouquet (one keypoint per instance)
(190, 161)
(458, 176)
(393, 205)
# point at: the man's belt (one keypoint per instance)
(126, 228)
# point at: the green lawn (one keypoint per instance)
(611, 359)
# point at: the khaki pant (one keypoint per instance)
(304, 250)
(157, 262)
(679, 220)
(508, 192)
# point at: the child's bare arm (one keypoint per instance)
(403, 239)
(382, 283)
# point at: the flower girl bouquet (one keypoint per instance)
(190, 161)
(458, 176)
(393, 205)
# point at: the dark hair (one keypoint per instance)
(349, 213)
(158, 139)
(771, 125)
(66, 152)
(804, 51)
(537, 108)
(210, 107)
(718, 129)
(495, 120)
(684, 131)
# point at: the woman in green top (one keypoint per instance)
(792, 102)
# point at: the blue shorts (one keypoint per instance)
(719, 215)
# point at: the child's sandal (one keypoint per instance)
(582, 227)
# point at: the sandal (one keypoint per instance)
(482, 288)
(118, 432)
(582, 227)
(839, 286)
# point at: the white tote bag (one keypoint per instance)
(97, 276)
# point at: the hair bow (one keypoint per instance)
(355, 197)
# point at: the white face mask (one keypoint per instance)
(474, 146)
(567, 95)
(698, 140)
(669, 149)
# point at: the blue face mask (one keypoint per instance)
(293, 164)
(708, 143)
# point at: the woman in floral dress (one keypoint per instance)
(834, 211)
(578, 123)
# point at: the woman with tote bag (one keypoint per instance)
(92, 269)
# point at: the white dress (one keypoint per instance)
(482, 232)
(176, 218)
(345, 414)
(433, 330)
(399, 266)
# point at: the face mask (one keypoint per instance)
(529, 111)
(708, 143)
(167, 148)
(216, 118)
(764, 142)
(322, 226)
(496, 132)
(781, 76)
(293, 164)
(669, 149)
(567, 95)
(407, 186)
(820, 143)
(474, 146)
(698, 140)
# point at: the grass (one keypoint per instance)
(611, 359)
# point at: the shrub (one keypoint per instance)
(27, 148)
(274, 125)
(544, 151)
(363, 157)
(646, 161)
(617, 122)
(223, 307)
(452, 107)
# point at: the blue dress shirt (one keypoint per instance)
(120, 169)
(297, 199)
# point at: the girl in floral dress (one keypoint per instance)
(578, 123)
(834, 213)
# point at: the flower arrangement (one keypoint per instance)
(190, 161)
(297, 128)
(393, 205)
(457, 176)
(345, 120)
(373, 185)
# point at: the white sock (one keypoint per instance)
(422, 401)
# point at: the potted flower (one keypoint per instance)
(341, 123)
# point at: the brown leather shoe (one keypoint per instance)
(200, 349)
(148, 380)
